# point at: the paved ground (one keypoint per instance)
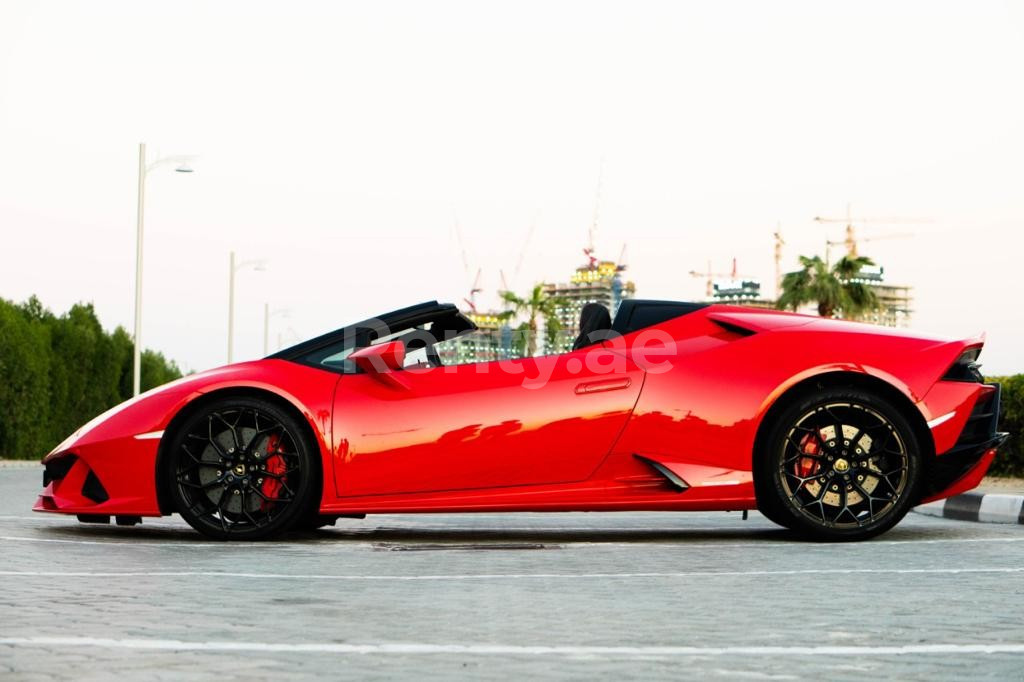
(579, 596)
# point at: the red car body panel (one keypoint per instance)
(602, 428)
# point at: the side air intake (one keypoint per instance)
(673, 478)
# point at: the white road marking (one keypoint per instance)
(72, 522)
(365, 537)
(508, 576)
(128, 543)
(412, 648)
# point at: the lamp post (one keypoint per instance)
(144, 169)
(267, 314)
(259, 266)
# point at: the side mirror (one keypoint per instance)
(381, 358)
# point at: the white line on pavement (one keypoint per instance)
(366, 537)
(514, 650)
(126, 543)
(506, 576)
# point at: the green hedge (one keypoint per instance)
(1010, 460)
(56, 373)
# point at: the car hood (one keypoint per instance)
(151, 411)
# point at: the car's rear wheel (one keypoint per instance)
(242, 469)
(841, 464)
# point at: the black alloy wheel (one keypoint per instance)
(843, 464)
(242, 469)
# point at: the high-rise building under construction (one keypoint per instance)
(596, 282)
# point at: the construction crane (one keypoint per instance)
(474, 290)
(876, 238)
(709, 276)
(779, 243)
(522, 256)
(475, 287)
(620, 265)
(851, 238)
(588, 251)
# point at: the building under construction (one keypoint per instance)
(746, 292)
(493, 340)
(894, 300)
(596, 282)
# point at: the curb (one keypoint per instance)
(18, 463)
(983, 507)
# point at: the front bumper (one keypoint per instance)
(115, 477)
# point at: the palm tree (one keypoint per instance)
(537, 304)
(834, 290)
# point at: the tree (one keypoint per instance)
(24, 383)
(835, 290)
(537, 304)
(56, 373)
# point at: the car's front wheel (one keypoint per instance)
(841, 464)
(242, 469)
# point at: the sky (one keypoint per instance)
(341, 142)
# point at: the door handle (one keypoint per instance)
(603, 385)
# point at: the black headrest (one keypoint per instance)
(594, 318)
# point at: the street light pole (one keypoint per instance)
(259, 266)
(231, 308)
(137, 350)
(267, 314)
(144, 169)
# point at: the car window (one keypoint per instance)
(481, 345)
(339, 360)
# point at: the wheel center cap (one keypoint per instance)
(842, 466)
(240, 469)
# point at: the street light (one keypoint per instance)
(144, 169)
(259, 266)
(267, 314)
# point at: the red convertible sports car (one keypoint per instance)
(833, 429)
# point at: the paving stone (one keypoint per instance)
(572, 581)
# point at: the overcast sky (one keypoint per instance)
(338, 140)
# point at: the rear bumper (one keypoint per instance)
(962, 467)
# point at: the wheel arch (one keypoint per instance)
(834, 379)
(202, 400)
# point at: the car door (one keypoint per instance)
(549, 419)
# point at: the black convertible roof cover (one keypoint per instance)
(635, 313)
(632, 314)
(363, 333)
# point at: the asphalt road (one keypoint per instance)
(578, 596)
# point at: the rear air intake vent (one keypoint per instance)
(966, 368)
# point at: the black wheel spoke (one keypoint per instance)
(199, 486)
(245, 509)
(279, 475)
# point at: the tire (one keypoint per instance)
(840, 464)
(243, 469)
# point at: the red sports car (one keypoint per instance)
(833, 429)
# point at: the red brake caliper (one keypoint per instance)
(808, 466)
(275, 465)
